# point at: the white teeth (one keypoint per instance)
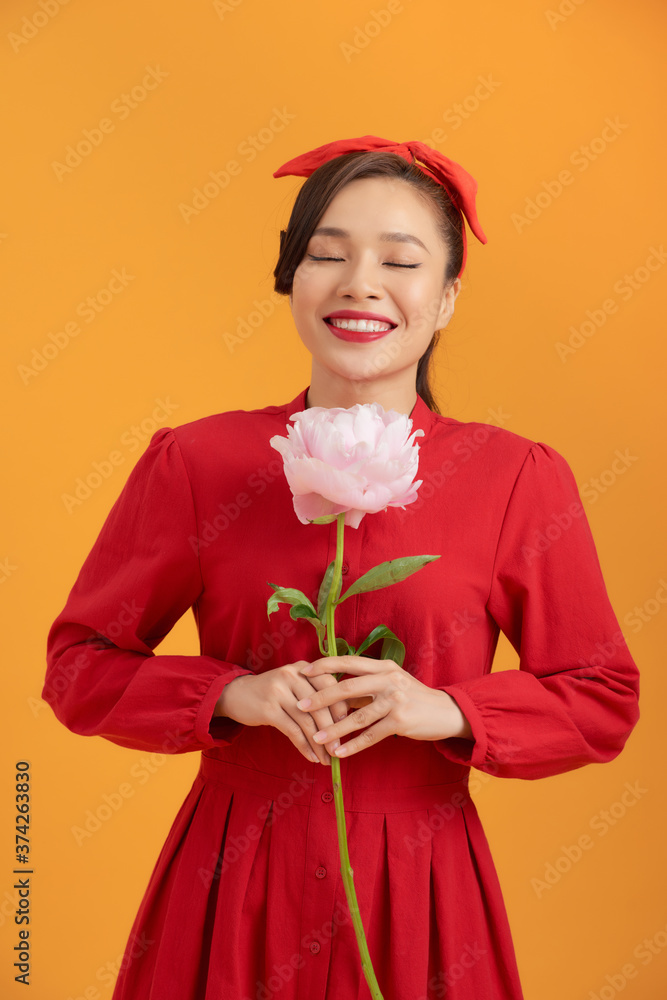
(360, 325)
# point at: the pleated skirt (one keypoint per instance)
(246, 899)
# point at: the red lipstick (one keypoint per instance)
(358, 335)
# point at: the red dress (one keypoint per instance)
(246, 900)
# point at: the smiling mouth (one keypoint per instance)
(359, 330)
(360, 325)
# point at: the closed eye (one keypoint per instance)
(388, 263)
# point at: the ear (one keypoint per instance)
(447, 304)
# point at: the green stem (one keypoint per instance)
(333, 589)
(346, 868)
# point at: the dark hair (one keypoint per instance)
(324, 184)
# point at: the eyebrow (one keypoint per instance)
(384, 237)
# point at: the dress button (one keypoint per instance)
(327, 796)
(314, 947)
(345, 569)
(321, 872)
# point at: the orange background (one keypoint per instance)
(533, 87)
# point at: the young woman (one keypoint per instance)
(246, 898)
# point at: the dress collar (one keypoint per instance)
(422, 417)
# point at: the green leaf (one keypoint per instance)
(303, 611)
(342, 648)
(393, 649)
(386, 573)
(325, 587)
(307, 613)
(379, 632)
(287, 595)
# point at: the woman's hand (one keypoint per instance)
(399, 704)
(270, 699)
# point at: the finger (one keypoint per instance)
(359, 719)
(319, 718)
(313, 721)
(348, 687)
(295, 734)
(293, 729)
(322, 718)
(338, 709)
(348, 664)
(369, 737)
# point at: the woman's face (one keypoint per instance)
(375, 264)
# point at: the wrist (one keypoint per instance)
(458, 725)
(222, 707)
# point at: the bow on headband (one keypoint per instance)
(456, 181)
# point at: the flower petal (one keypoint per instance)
(357, 460)
(311, 475)
(308, 506)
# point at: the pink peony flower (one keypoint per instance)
(359, 461)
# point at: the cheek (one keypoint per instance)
(307, 289)
(304, 307)
(422, 305)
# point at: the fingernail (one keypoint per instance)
(313, 756)
(335, 745)
(320, 737)
(304, 704)
(306, 670)
(341, 752)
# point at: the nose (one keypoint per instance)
(360, 278)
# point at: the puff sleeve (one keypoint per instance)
(574, 698)
(140, 577)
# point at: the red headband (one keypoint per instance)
(456, 181)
